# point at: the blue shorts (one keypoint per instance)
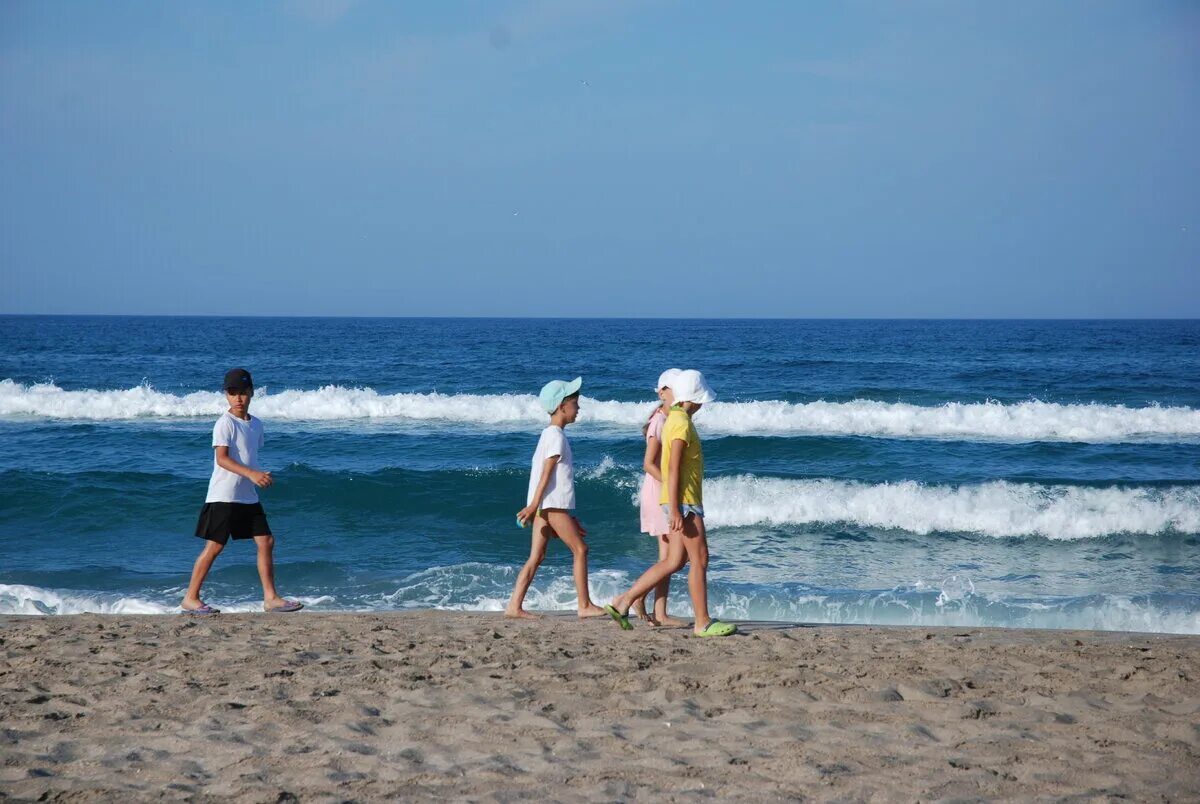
(685, 509)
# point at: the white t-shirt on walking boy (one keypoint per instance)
(244, 440)
(560, 493)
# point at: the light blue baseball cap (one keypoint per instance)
(555, 391)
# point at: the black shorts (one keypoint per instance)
(220, 520)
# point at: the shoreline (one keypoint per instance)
(432, 704)
(566, 616)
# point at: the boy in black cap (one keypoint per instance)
(232, 507)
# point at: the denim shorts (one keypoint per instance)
(685, 509)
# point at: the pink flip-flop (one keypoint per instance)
(288, 606)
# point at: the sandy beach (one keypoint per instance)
(436, 705)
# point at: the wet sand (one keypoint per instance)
(437, 705)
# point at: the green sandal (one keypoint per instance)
(716, 628)
(621, 619)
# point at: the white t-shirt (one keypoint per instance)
(244, 439)
(560, 492)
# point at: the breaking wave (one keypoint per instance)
(999, 508)
(1025, 421)
(953, 601)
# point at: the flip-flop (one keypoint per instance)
(204, 611)
(288, 606)
(716, 628)
(621, 619)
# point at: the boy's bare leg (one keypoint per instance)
(204, 562)
(660, 594)
(537, 552)
(695, 542)
(564, 527)
(266, 571)
(655, 575)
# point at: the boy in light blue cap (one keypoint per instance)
(550, 503)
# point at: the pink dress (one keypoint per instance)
(654, 521)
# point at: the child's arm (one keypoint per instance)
(260, 479)
(675, 523)
(651, 458)
(526, 513)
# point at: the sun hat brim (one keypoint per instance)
(690, 386)
(666, 378)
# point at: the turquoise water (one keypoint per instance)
(1004, 473)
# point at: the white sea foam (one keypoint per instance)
(999, 509)
(911, 606)
(484, 587)
(950, 602)
(1024, 421)
(22, 599)
(331, 403)
(606, 465)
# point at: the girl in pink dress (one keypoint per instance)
(654, 521)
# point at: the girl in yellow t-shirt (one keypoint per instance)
(682, 498)
(654, 521)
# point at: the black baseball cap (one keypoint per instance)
(238, 379)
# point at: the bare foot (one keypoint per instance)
(521, 614)
(641, 613)
(672, 622)
(592, 611)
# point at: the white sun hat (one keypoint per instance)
(690, 386)
(664, 379)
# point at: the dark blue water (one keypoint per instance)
(1011, 473)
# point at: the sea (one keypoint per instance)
(1024, 474)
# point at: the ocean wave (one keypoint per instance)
(1025, 421)
(608, 496)
(34, 600)
(953, 602)
(21, 599)
(999, 508)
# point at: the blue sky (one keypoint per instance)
(601, 158)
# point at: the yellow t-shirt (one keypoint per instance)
(679, 427)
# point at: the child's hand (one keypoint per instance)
(675, 523)
(261, 479)
(527, 513)
(578, 524)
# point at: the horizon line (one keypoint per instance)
(593, 318)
